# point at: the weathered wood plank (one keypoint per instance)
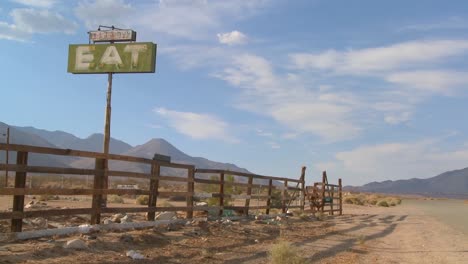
(268, 203)
(153, 194)
(43, 169)
(40, 191)
(98, 183)
(249, 193)
(18, 200)
(221, 193)
(191, 191)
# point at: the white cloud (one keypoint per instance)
(42, 21)
(27, 21)
(195, 19)
(105, 12)
(324, 114)
(397, 118)
(11, 32)
(197, 126)
(372, 60)
(232, 38)
(391, 161)
(443, 82)
(37, 3)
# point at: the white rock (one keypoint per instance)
(40, 222)
(108, 221)
(85, 228)
(116, 218)
(126, 219)
(76, 244)
(201, 204)
(166, 216)
(134, 254)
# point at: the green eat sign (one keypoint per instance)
(112, 58)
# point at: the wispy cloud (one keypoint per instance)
(28, 21)
(287, 101)
(380, 59)
(402, 160)
(195, 20)
(441, 81)
(36, 3)
(105, 12)
(232, 38)
(196, 125)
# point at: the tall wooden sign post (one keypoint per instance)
(109, 58)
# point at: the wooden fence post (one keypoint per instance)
(249, 194)
(340, 189)
(283, 197)
(303, 191)
(324, 178)
(154, 185)
(18, 200)
(98, 185)
(270, 186)
(221, 193)
(332, 199)
(191, 191)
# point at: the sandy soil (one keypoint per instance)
(401, 234)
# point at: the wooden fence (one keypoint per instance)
(100, 186)
(325, 197)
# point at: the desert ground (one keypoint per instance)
(363, 234)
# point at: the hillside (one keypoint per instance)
(60, 139)
(448, 184)
(163, 147)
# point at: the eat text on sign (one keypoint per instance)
(112, 58)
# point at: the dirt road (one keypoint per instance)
(401, 234)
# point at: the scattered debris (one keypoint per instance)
(35, 204)
(75, 244)
(135, 254)
(117, 217)
(126, 219)
(166, 216)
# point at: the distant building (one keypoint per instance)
(128, 186)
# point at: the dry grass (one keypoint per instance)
(372, 199)
(284, 253)
(142, 200)
(115, 199)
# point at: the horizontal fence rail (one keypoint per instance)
(274, 192)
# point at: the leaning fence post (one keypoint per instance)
(249, 194)
(340, 189)
(154, 185)
(283, 197)
(303, 192)
(270, 185)
(98, 186)
(221, 193)
(190, 191)
(324, 178)
(18, 200)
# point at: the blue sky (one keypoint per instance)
(367, 90)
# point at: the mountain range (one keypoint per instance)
(60, 139)
(450, 184)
